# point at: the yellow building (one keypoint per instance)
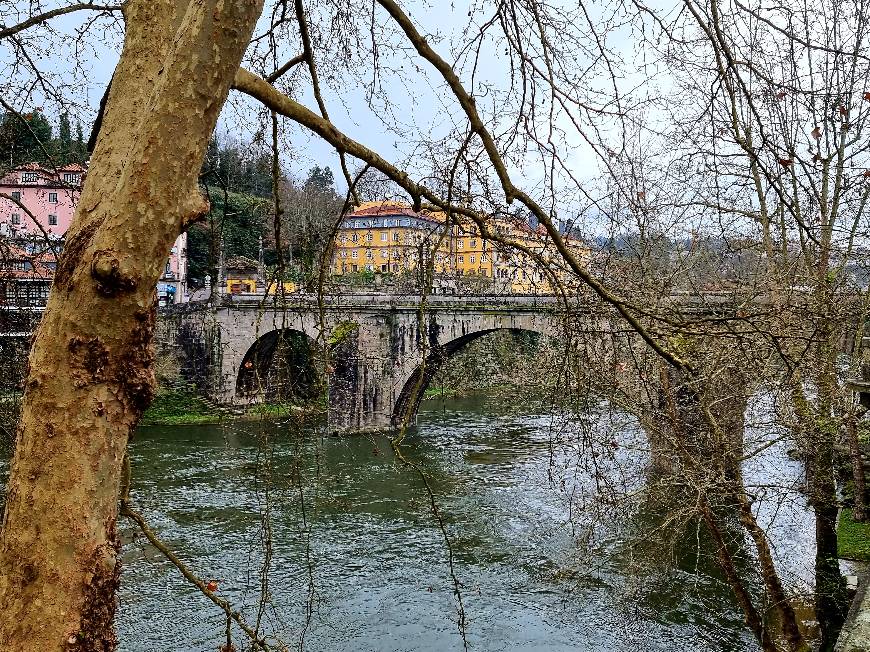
(245, 276)
(392, 237)
(240, 275)
(388, 237)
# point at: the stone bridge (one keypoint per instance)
(381, 350)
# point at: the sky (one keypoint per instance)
(419, 109)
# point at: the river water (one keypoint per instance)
(359, 561)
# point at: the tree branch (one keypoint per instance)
(6, 32)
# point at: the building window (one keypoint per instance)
(354, 237)
(16, 196)
(384, 253)
(342, 238)
(70, 177)
(370, 268)
(354, 254)
(369, 236)
(52, 198)
(395, 267)
(483, 258)
(385, 268)
(344, 254)
(16, 218)
(472, 259)
(472, 244)
(396, 236)
(406, 222)
(461, 259)
(52, 220)
(369, 254)
(384, 236)
(29, 177)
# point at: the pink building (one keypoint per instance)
(37, 202)
(49, 196)
(172, 286)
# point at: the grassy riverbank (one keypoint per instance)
(853, 538)
(444, 392)
(179, 408)
(184, 408)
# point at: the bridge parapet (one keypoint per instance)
(381, 349)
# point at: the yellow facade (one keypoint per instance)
(392, 238)
(387, 238)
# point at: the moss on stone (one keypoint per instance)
(342, 331)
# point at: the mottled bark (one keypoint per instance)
(90, 373)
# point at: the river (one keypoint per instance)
(542, 562)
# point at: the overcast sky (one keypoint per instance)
(418, 108)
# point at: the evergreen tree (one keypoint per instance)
(24, 138)
(65, 153)
(80, 148)
(320, 180)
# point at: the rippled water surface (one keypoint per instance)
(359, 561)
(536, 572)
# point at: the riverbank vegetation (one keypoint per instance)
(853, 537)
(186, 408)
(500, 364)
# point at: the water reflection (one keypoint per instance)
(540, 568)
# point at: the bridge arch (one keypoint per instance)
(279, 365)
(417, 380)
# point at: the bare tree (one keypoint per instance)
(91, 366)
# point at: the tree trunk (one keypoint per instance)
(859, 508)
(90, 374)
(831, 600)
